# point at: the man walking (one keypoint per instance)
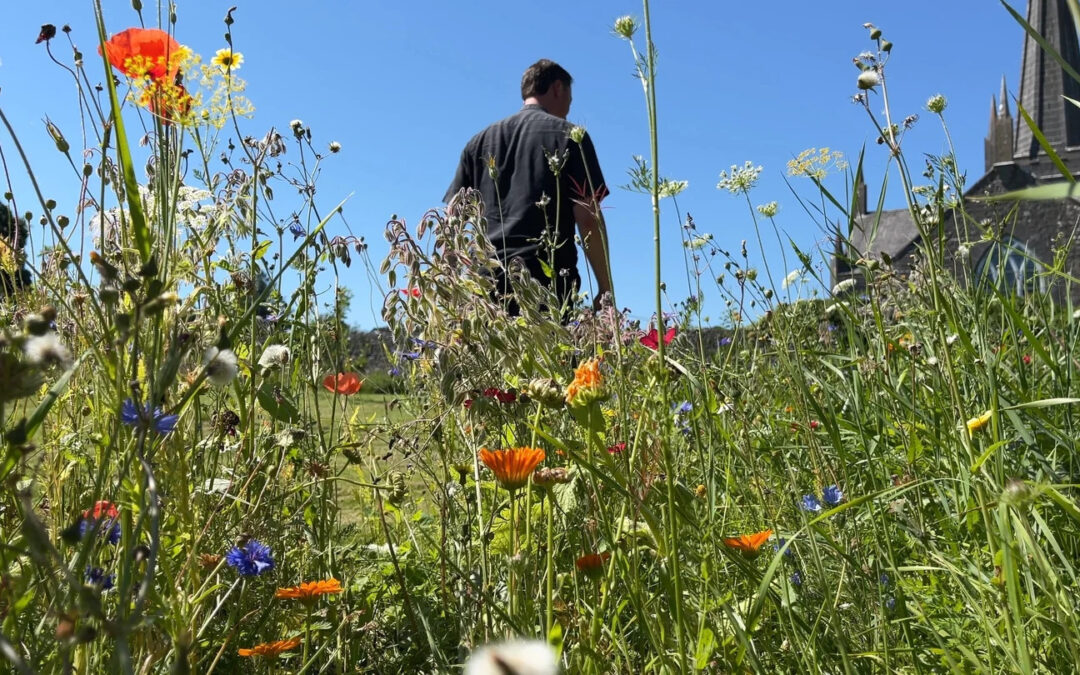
(538, 172)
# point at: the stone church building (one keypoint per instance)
(1026, 233)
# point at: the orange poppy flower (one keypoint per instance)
(144, 52)
(592, 564)
(309, 590)
(748, 543)
(512, 466)
(345, 384)
(271, 649)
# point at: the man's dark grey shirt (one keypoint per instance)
(521, 145)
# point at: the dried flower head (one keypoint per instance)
(46, 350)
(221, 366)
(868, 79)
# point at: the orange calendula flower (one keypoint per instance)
(309, 590)
(748, 543)
(271, 649)
(512, 466)
(588, 385)
(592, 564)
(345, 384)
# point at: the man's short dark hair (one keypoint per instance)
(539, 77)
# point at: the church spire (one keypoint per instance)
(1043, 82)
(998, 146)
(1003, 106)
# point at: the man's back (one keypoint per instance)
(525, 148)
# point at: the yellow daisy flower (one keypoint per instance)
(227, 59)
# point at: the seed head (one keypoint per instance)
(625, 27)
(868, 79)
(936, 104)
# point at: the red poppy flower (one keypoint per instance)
(1027, 359)
(814, 424)
(652, 338)
(617, 448)
(345, 384)
(592, 565)
(414, 291)
(102, 509)
(144, 52)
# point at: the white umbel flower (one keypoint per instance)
(843, 287)
(46, 350)
(521, 657)
(221, 366)
(274, 356)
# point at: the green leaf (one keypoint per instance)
(705, 645)
(58, 388)
(262, 248)
(277, 404)
(1045, 145)
(1043, 403)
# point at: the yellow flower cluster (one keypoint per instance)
(816, 163)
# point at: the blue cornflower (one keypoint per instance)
(409, 356)
(884, 579)
(810, 503)
(95, 576)
(159, 421)
(890, 603)
(831, 327)
(109, 528)
(725, 341)
(779, 544)
(251, 559)
(796, 578)
(683, 408)
(832, 495)
(297, 230)
(394, 371)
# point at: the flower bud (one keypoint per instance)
(625, 27)
(577, 134)
(57, 136)
(936, 104)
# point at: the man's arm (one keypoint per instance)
(594, 240)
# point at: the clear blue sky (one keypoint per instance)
(402, 86)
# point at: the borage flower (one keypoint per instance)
(592, 564)
(251, 559)
(512, 466)
(271, 649)
(345, 384)
(748, 544)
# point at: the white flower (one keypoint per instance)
(521, 657)
(868, 79)
(791, 278)
(221, 366)
(335, 147)
(296, 124)
(843, 287)
(274, 356)
(46, 350)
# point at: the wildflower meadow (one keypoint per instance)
(197, 478)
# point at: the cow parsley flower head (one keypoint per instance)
(740, 180)
(252, 559)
